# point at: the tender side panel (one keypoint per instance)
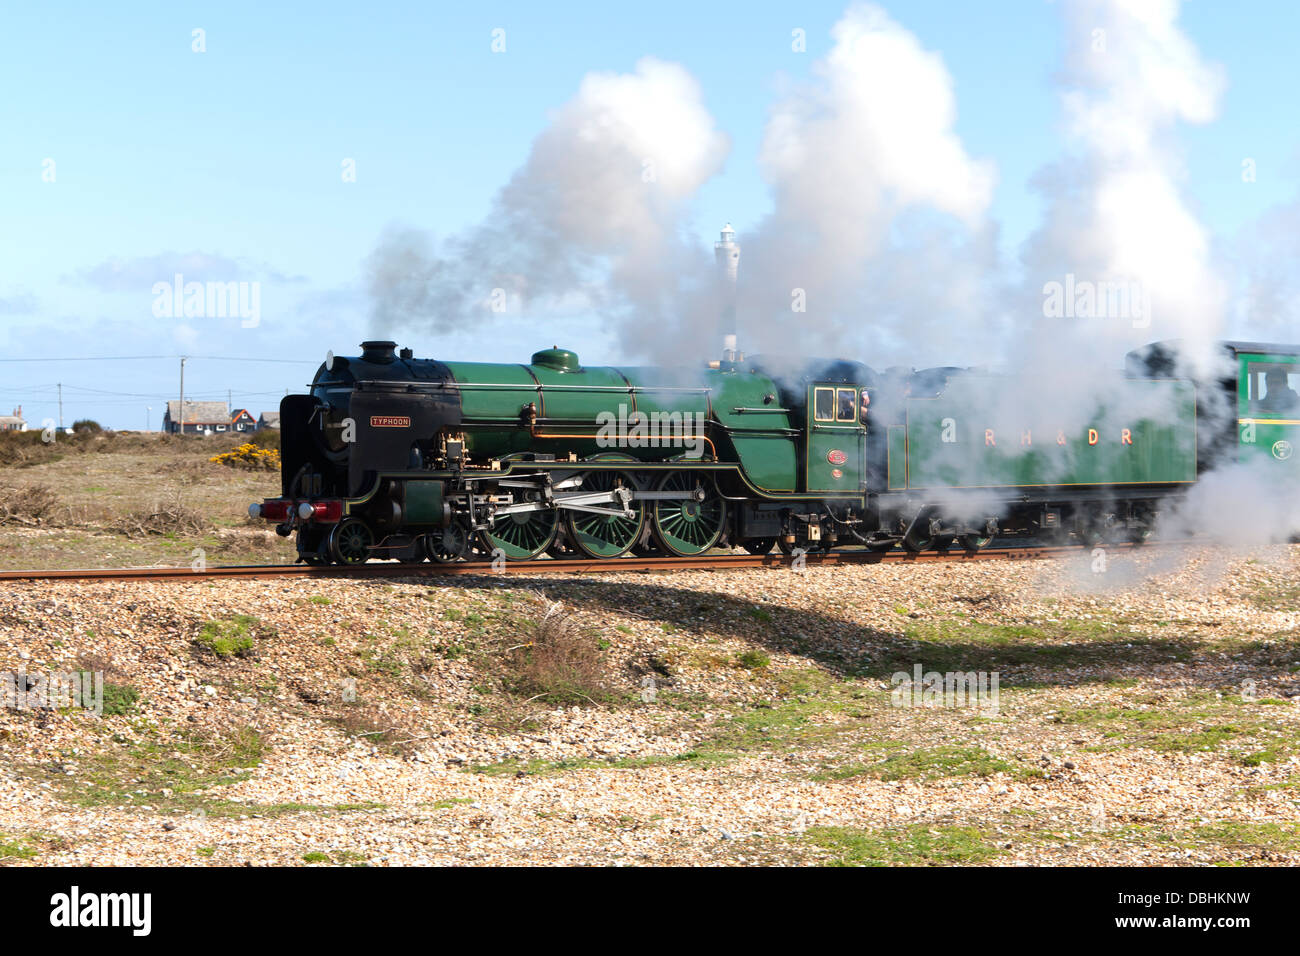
(991, 432)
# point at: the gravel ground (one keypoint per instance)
(1146, 714)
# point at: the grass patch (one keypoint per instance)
(1201, 722)
(933, 763)
(336, 857)
(120, 700)
(230, 637)
(900, 846)
(810, 709)
(449, 803)
(167, 774)
(542, 768)
(1276, 596)
(1229, 835)
(966, 645)
(14, 847)
(28, 845)
(515, 767)
(1284, 837)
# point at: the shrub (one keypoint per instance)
(33, 505)
(250, 457)
(174, 517)
(559, 660)
(86, 425)
(266, 438)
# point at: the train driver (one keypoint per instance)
(1278, 395)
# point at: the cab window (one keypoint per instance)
(1273, 388)
(824, 404)
(846, 409)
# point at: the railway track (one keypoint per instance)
(545, 566)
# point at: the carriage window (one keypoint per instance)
(846, 409)
(824, 404)
(1273, 388)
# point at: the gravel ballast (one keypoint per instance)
(1147, 714)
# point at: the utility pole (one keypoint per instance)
(148, 413)
(60, 406)
(182, 403)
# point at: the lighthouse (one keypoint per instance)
(726, 253)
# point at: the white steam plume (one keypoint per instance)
(592, 219)
(878, 223)
(1116, 214)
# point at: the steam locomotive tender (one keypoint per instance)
(391, 456)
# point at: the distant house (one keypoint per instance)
(243, 421)
(16, 422)
(201, 418)
(268, 420)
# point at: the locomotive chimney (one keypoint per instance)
(726, 252)
(378, 353)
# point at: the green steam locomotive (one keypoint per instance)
(390, 456)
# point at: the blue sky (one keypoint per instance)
(234, 154)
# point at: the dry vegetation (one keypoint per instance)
(102, 499)
(558, 659)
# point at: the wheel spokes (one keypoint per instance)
(688, 526)
(522, 540)
(605, 535)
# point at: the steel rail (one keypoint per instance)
(394, 569)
